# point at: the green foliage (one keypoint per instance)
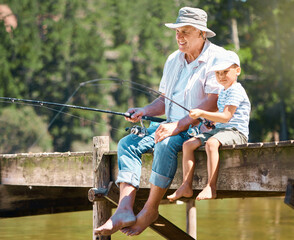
(19, 129)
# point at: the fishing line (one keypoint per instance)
(200, 119)
(150, 91)
(56, 115)
(137, 84)
(134, 88)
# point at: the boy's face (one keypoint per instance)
(228, 76)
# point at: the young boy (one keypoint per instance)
(231, 127)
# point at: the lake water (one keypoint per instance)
(227, 219)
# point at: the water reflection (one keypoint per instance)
(240, 219)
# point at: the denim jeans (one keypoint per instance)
(164, 166)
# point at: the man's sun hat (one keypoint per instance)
(194, 17)
(224, 60)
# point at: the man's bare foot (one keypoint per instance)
(184, 191)
(119, 220)
(144, 219)
(207, 193)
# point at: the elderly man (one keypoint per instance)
(187, 80)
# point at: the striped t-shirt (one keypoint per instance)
(235, 96)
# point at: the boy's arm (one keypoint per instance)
(221, 117)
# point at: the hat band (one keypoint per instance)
(191, 21)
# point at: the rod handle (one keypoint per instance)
(153, 119)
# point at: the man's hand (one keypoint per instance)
(136, 114)
(166, 130)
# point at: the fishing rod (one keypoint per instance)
(128, 115)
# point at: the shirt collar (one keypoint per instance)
(203, 57)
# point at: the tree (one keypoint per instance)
(22, 127)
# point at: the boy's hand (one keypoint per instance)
(195, 113)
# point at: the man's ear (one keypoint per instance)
(203, 35)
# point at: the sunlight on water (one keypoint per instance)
(234, 219)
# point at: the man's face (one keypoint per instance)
(188, 39)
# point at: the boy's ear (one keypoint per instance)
(238, 70)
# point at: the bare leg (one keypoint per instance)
(185, 190)
(211, 147)
(149, 213)
(124, 215)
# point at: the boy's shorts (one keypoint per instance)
(226, 136)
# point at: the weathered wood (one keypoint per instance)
(259, 167)
(289, 198)
(249, 170)
(18, 201)
(191, 218)
(168, 230)
(101, 209)
(95, 194)
(47, 169)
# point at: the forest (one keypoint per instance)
(88, 53)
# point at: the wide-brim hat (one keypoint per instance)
(225, 60)
(194, 17)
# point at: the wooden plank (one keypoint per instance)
(18, 201)
(289, 198)
(101, 167)
(191, 218)
(47, 169)
(265, 167)
(262, 169)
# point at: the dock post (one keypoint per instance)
(101, 167)
(191, 218)
(289, 197)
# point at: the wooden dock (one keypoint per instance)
(60, 182)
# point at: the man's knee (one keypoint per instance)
(123, 142)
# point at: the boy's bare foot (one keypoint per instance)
(119, 220)
(207, 193)
(144, 218)
(184, 191)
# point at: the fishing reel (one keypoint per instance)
(193, 131)
(209, 124)
(140, 131)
